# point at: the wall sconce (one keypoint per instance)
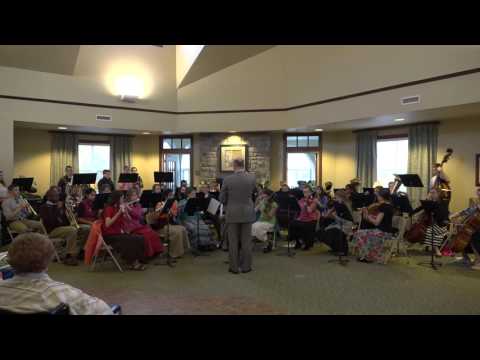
(129, 98)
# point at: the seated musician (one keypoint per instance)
(157, 189)
(214, 190)
(203, 197)
(31, 290)
(322, 199)
(66, 180)
(16, 212)
(369, 243)
(474, 245)
(133, 225)
(106, 179)
(337, 225)
(303, 227)
(199, 233)
(175, 235)
(329, 190)
(130, 246)
(3, 188)
(86, 216)
(181, 193)
(440, 225)
(287, 206)
(267, 220)
(54, 218)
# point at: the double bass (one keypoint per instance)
(442, 185)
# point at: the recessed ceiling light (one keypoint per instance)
(232, 132)
(318, 129)
(399, 119)
(147, 133)
(62, 128)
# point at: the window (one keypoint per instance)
(392, 158)
(93, 158)
(176, 156)
(301, 167)
(176, 143)
(302, 160)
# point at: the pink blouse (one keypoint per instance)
(305, 214)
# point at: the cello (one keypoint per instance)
(463, 237)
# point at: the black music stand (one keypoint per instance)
(430, 207)
(84, 179)
(292, 206)
(128, 178)
(166, 210)
(24, 184)
(164, 178)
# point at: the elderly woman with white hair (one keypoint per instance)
(31, 290)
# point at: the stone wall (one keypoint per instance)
(258, 154)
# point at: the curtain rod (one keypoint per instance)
(397, 126)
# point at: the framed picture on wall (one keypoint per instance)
(477, 170)
(228, 153)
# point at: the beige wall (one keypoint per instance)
(145, 158)
(463, 137)
(6, 148)
(32, 156)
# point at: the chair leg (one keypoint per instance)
(114, 258)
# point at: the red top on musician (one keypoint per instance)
(118, 225)
(308, 207)
(85, 212)
(153, 244)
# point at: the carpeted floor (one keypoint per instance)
(305, 284)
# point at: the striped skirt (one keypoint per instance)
(439, 235)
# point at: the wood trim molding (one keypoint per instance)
(233, 111)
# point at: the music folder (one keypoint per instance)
(84, 179)
(213, 206)
(24, 184)
(128, 178)
(163, 177)
(410, 180)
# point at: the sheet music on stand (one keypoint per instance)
(213, 206)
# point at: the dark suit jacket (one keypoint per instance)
(236, 195)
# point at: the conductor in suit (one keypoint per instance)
(236, 195)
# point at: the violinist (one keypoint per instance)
(440, 217)
(303, 227)
(369, 243)
(338, 224)
(162, 219)
(474, 245)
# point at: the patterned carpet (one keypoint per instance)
(305, 284)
